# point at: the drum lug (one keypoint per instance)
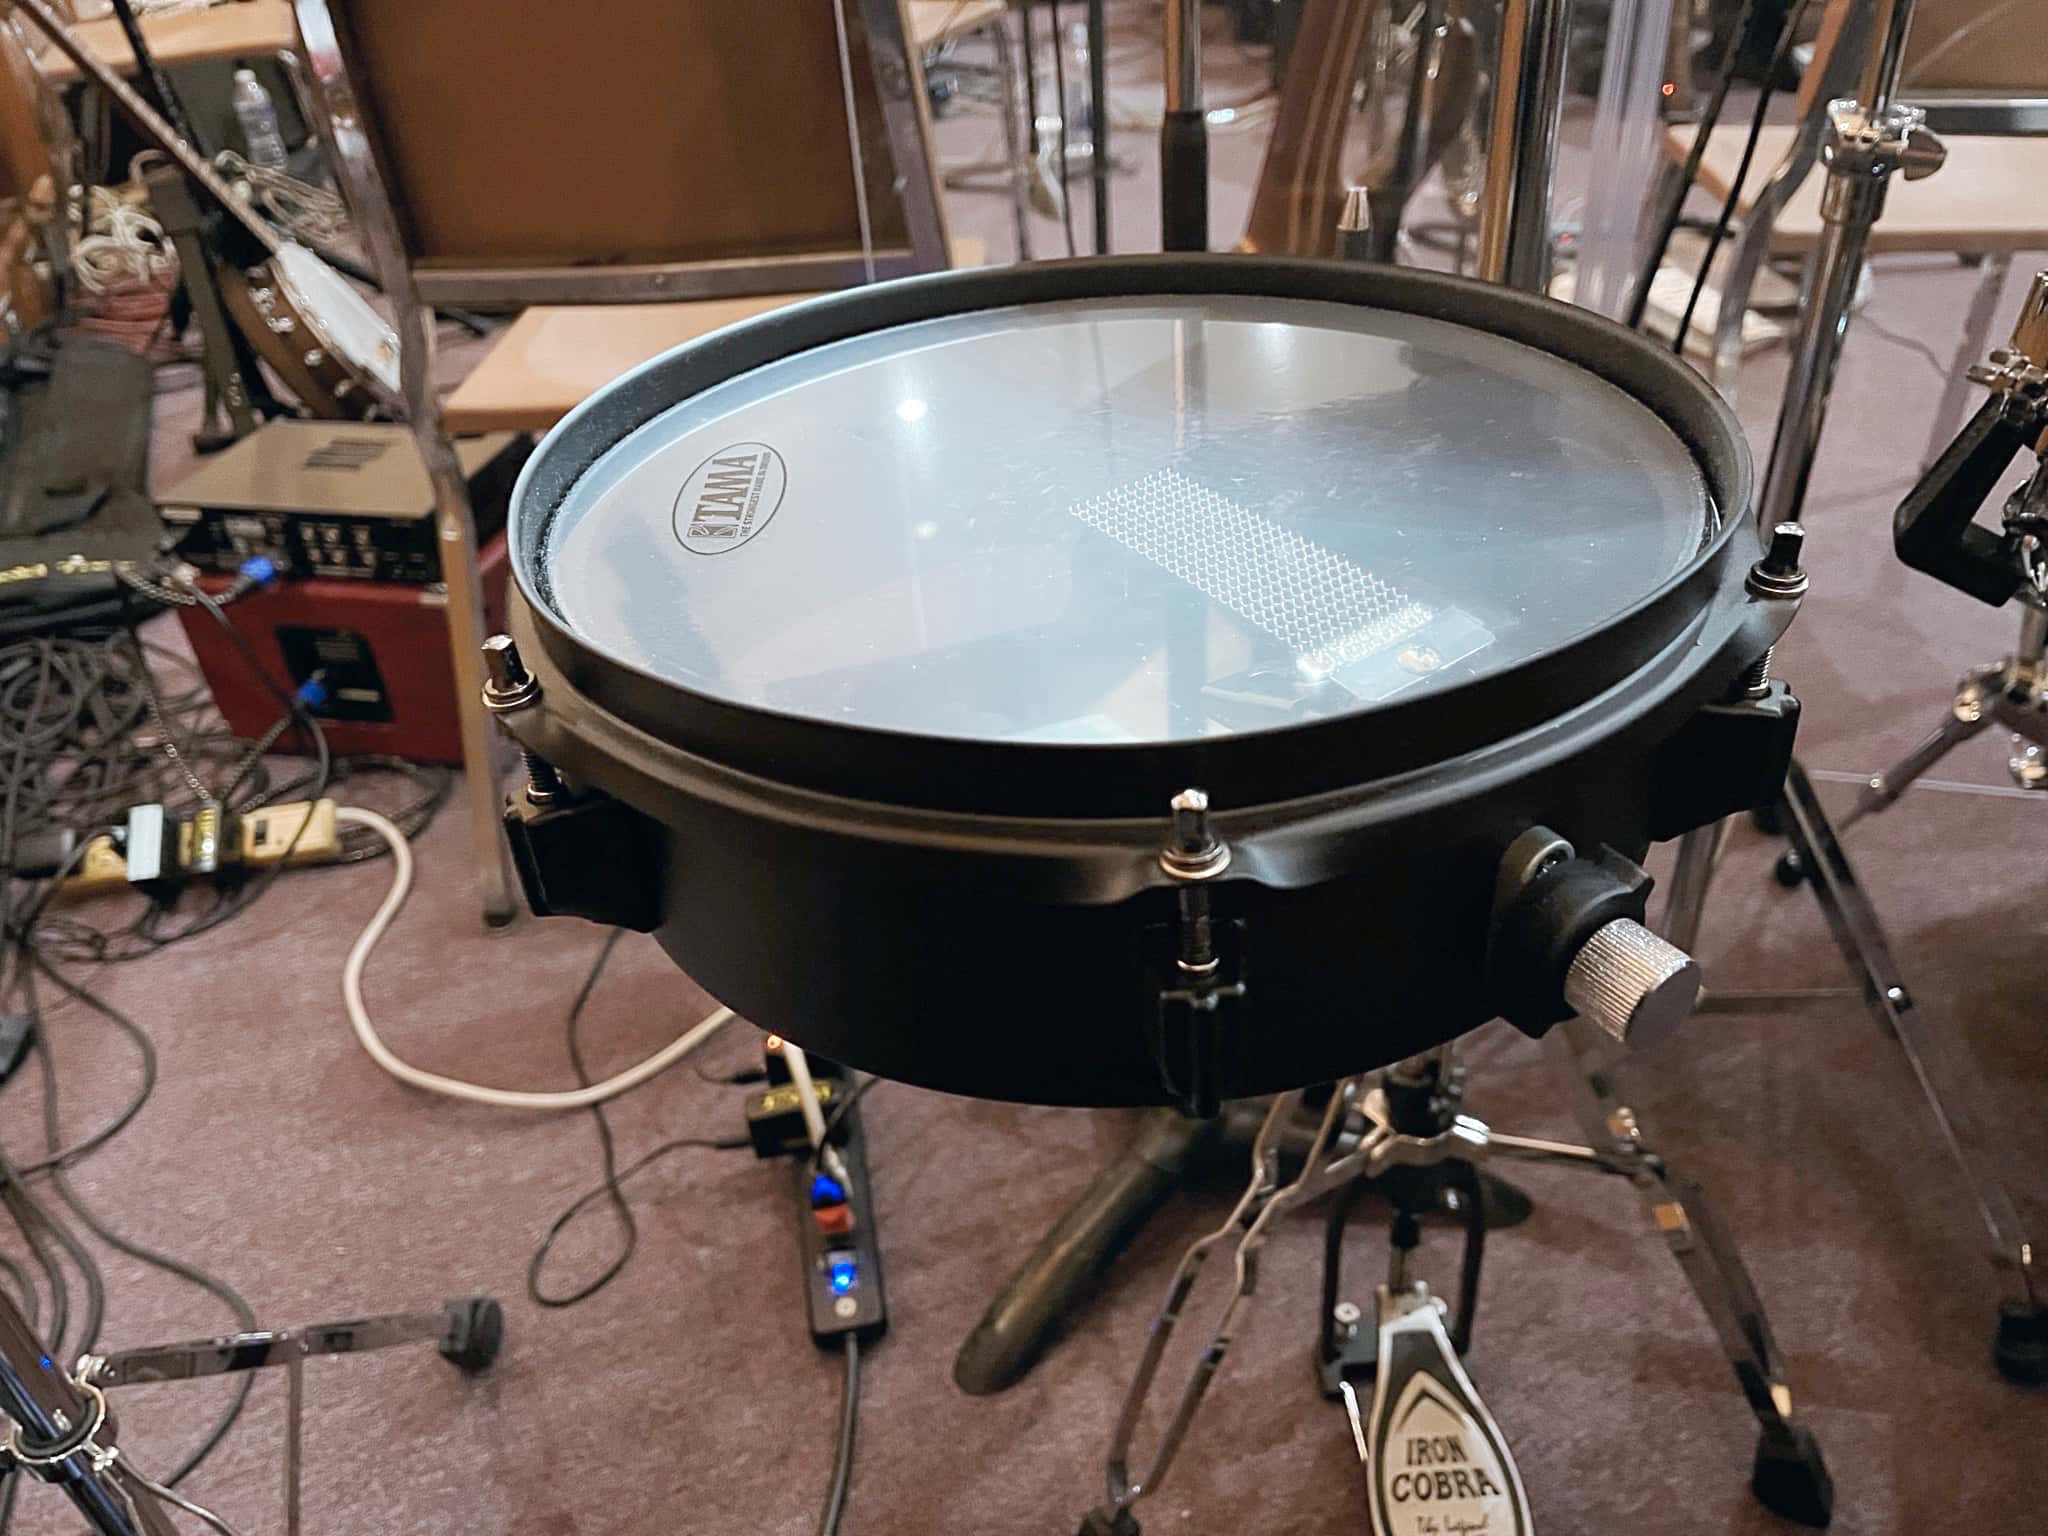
(1729, 757)
(592, 857)
(1195, 1022)
(1205, 985)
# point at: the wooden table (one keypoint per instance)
(1991, 198)
(239, 29)
(553, 356)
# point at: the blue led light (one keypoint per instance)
(826, 1190)
(842, 1274)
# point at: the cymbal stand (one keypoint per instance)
(61, 1429)
(1867, 141)
(1404, 1130)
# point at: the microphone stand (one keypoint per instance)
(56, 1425)
(1183, 135)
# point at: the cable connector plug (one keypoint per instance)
(256, 571)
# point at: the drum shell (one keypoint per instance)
(1023, 960)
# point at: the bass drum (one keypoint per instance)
(874, 638)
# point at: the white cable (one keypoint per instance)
(455, 1088)
(807, 1103)
(806, 1091)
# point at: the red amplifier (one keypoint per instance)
(379, 649)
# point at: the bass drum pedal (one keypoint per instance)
(1435, 1463)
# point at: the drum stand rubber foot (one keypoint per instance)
(2020, 1349)
(1103, 1523)
(1790, 1479)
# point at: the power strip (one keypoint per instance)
(841, 1253)
(306, 827)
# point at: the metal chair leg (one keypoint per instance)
(1014, 153)
(1698, 852)
(1947, 1078)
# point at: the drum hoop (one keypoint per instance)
(1123, 779)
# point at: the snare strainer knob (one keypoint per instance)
(1632, 984)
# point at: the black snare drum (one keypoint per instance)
(874, 638)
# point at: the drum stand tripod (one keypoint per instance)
(61, 1429)
(1868, 140)
(2012, 693)
(1402, 1132)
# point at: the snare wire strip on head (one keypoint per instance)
(1329, 610)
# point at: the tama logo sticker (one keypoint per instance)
(729, 498)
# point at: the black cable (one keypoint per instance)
(191, 1274)
(25, 1205)
(1787, 39)
(24, 1288)
(583, 1201)
(612, 1187)
(1675, 193)
(734, 1079)
(12, 1194)
(145, 1049)
(849, 1422)
(622, 1213)
(1913, 344)
(1059, 76)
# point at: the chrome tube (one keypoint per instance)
(44, 1405)
(1893, 19)
(1183, 55)
(1860, 165)
(1183, 135)
(1528, 95)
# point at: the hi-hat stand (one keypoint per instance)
(1867, 141)
(1404, 1133)
(61, 1429)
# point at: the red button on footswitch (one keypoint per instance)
(834, 1219)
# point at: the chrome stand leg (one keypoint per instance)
(467, 1332)
(1883, 789)
(1940, 1062)
(1789, 1476)
(294, 1439)
(1698, 852)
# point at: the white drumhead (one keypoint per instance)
(1123, 520)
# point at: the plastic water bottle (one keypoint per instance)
(258, 117)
